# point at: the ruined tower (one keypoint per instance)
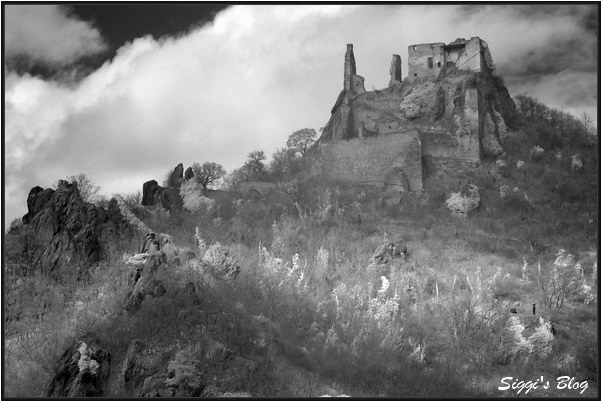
(349, 67)
(353, 84)
(395, 71)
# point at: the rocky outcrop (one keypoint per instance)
(144, 280)
(188, 174)
(382, 258)
(148, 192)
(206, 368)
(388, 251)
(64, 233)
(177, 177)
(166, 197)
(82, 371)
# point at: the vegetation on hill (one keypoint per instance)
(451, 320)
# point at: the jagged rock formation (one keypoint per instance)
(188, 174)
(167, 197)
(82, 371)
(144, 281)
(63, 232)
(450, 111)
(177, 176)
(148, 192)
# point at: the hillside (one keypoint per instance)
(300, 284)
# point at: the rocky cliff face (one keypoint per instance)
(63, 233)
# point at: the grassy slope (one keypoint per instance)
(435, 331)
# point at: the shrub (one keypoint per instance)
(195, 201)
(560, 284)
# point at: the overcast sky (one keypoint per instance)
(124, 94)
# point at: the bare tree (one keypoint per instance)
(255, 165)
(208, 173)
(301, 140)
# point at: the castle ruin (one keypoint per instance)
(449, 111)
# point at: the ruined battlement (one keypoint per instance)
(440, 114)
(428, 59)
(351, 81)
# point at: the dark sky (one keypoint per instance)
(121, 23)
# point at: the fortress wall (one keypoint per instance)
(373, 115)
(394, 159)
(470, 138)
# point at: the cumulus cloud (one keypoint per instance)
(48, 34)
(248, 80)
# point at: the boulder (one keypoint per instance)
(82, 371)
(388, 251)
(148, 192)
(150, 245)
(188, 174)
(464, 201)
(61, 231)
(177, 177)
(166, 197)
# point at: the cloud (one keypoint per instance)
(252, 77)
(48, 34)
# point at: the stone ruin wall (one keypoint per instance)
(418, 56)
(451, 121)
(472, 55)
(467, 57)
(392, 159)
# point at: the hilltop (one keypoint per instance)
(437, 236)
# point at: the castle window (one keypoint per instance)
(438, 64)
(430, 62)
(414, 48)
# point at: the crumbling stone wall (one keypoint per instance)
(425, 60)
(351, 81)
(465, 55)
(395, 71)
(392, 159)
